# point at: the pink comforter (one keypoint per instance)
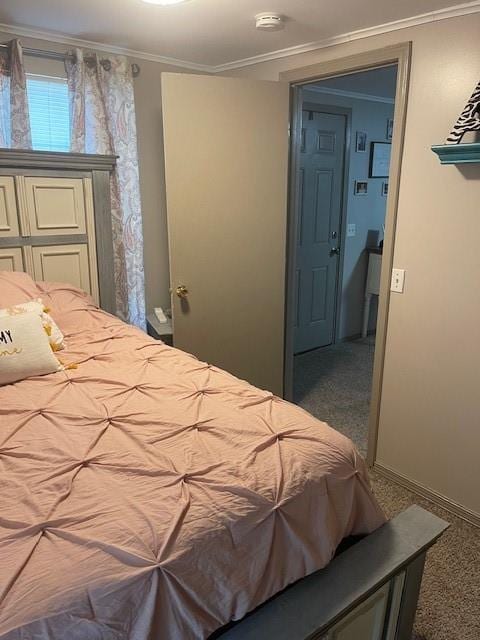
(146, 494)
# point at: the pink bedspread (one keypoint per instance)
(147, 494)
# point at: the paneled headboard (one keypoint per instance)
(55, 219)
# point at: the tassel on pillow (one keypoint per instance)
(55, 336)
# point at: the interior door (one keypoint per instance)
(226, 171)
(320, 183)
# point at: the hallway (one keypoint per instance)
(334, 384)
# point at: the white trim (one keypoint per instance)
(349, 94)
(454, 11)
(98, 46)
(43, 76)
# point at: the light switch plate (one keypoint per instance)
(351, 230)
(398, 280)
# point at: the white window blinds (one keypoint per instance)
(49, 112)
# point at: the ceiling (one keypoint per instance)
(213, 33)
(379, 83)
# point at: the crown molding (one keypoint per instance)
(357, 95)
(59, 38)
(455, 11)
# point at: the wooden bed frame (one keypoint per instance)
(367, 592)
(76, 236)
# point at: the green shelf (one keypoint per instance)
(458, 153)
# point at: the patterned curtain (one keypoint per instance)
(14, 117)
(102, 114)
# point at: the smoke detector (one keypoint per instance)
(269, 21)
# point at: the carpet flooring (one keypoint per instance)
(334, 385)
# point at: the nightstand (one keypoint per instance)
(372, 285)
(159, 330)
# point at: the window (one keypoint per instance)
(49, 112)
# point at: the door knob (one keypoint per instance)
(335, 251)
(181, 291)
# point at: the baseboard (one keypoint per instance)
(355, 336)
(441, 501)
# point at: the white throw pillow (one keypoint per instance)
(54, 334)
(24, 348)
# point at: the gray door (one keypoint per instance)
(320, 184)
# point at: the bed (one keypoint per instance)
(146, 494)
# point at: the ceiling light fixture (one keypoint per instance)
(269, 21)
(164, 2)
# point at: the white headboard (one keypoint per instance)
(55, 219)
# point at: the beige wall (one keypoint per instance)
(150, 149)
(430, 412)
(148, 106)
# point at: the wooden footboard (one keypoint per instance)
(368, 592)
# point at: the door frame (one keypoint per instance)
(399, 54)
(342, 111)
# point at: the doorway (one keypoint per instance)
(333, 374)
(241, 316)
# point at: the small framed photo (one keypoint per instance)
(360, 188)
(379, 160)
(389, 133)
(385, 189)
(361, 142)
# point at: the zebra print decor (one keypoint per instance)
(469, 119)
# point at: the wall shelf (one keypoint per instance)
(458, 153)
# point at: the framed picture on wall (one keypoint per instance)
(361, 142)
(360, 188)
(389, 133)
(385, 189)
(379, 159)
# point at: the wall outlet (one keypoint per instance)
(398, 280)
(351, 230)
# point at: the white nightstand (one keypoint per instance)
(372, 285)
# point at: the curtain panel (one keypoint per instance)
(14, 116)
(102, 116)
